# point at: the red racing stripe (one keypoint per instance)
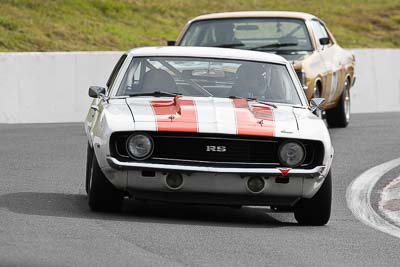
(177, 115)
(256, 120)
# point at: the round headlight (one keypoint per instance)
(291, 154)
(139, 146)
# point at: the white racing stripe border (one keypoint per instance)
(144, 117)
(358, 196)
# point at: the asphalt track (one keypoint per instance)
(45, 220)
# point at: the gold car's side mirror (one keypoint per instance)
(316, 103)
(324, 41)
(171, 42)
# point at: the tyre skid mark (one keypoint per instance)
(389, 203)
(358, 196)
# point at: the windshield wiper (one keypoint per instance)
(253, 99)
(155, 93)
(228, 45)
(273, 45)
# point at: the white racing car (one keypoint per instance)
(208, 126)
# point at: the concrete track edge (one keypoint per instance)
(358, 196)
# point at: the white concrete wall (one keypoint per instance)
(377, 88)
(52, 87)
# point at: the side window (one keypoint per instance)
(319, 31)
(115, 71)
(323, 30)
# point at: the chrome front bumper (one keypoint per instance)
(316, 172)
(132, 177)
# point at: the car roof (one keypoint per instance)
(256, 14)
(207, 52)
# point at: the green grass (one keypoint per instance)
(65, 25)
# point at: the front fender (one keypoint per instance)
(113, 117)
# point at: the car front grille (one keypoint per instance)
(220, 150)
(215, 150)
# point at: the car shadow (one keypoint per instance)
(75, 206)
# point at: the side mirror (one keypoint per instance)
(97, 91)
(305, 88)
(171, 43)
(324, 41)
(316, 103)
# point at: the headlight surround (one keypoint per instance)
(140, 146)
(291, 154)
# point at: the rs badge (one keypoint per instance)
(216, 148)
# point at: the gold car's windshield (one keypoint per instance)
(190, 76)
(263, 34)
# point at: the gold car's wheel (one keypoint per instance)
(339, 116)
(316, 91)
(347, 102)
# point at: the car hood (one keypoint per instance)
(212, 115)
(294, 57)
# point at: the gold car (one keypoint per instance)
(323, 67)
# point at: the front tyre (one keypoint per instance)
(89, 159)
(340, 115)
(103, 196)
(316, 210)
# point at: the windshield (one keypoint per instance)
(264, 34)
(209, 77)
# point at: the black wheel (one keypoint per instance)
(316, 210)
(339, 116)
(89, 157)
(103, 196)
